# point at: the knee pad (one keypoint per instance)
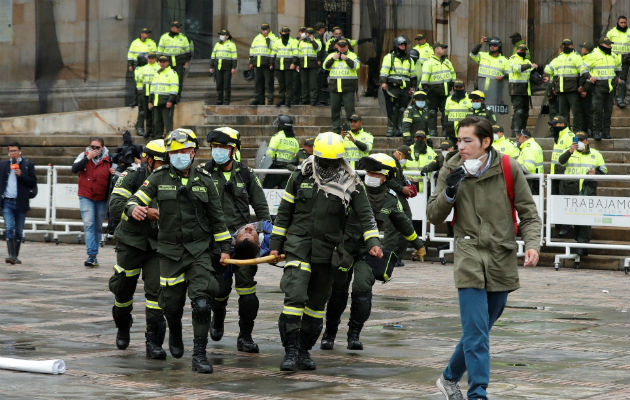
(201, 309)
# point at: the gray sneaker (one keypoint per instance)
(450, 389)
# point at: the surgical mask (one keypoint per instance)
(222, 38)
(403, 162)
(303, 35)
(421, 104)
(495, 136)
(581, 146)
(372, 181)
(220, 155)
(444, 153)
(180, 161)
(567, 50)
(472, 165)
(476, 106)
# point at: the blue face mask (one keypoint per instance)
(476, 106)
(180, 161)
(421, 104)
(220, 155)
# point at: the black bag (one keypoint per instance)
(32, 193)
(383, 268)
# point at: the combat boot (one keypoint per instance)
(354, 330)
(156, 330)
(290, 360)
(359, 313)
(218, 318)
(123, 320)
(336, 304)
(305, 362)
(597, 135)
(606, 133)
(199, 359)
(247, 311)
(175, 342)
(328, 338)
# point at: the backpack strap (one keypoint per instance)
(509, 186)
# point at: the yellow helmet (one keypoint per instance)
(155, 149)
(329, 145)
(380, 163)
(181, 138)
(225, 135)
(477, 94)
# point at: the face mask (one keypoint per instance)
(220, 155)
(581, 146)
(372, 181)
(421, 146)
(285, 35)
(180, 161)
(403, 162)
(476, 106)
(567, 50)
(606, 50)
(303, 35)
(472, 166)
(495, 136)
(622, 29)
(222, 38)
(421, 104)
(444, 153)
(522, 54)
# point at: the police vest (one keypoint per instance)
(565, 139)
(531, 157)
(340, 70)
(603, 66)
(282, 148)
(223, 51)
(396, 70)
(516, 75)
(437, 72)
(260, 48)
(620, 40)
(580, 163)
(145, 75)
(307, 52)
(416, 163)
(505, 146)
(457, 110)
(424, 52)
(174, 46)
(565, 66)
(353, 153)
(284, 54)
(490, 66)
(165, 83)
(138, 47)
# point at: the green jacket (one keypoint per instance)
(486, 113)
(190, 211)
(414, 119)
(237, 193)
(139, 234)
(310, 224)
(485, 244)
(297, 160)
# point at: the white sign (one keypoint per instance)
(249, 7)
(591, 210)
(418, 207)
(273, 197)
(66, 195)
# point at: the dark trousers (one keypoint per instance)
(162, 119)
(399, 100)
(569, 102)
(130, 88)
(621, 89)
(145, 116)
(336, 100)
(286, 79)
(322, 94)
(308, 83)
(13, 219)
(179, 68)
(224, 85)
(587, 109)
(602, 109)
(435, 103)
(521, 112)
(263, 83)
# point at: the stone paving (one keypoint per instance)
(564, 335)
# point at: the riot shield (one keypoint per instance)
(382, 102)
(497, 98)
(262, 160)
(542, 122)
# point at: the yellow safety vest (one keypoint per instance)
(505, 146)
(353, 153)
(620, 40)
(437, 71)
(403, 70)
(173, 46)
(138, 47)
(490, 67)
(456, 111)
(223, 51)
(531, 157)
(340, 70)
(285, 54)
(580, 163)
(565, 66)
(518, 76)
(565, 139)
(282, 148)
(416, 163)
(165, 82)
(604, 66)
(307, 53)
(144, 77)
(259, 47)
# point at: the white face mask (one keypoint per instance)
(495, 136)
(581, 146)
(222, 38)
(403, 162)
(444, 153)
(303, 35)
(472, 165)
(372, 181)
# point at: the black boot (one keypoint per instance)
(10, 257)
(359, 313)
(354, 330)
(16, 251)
(123, 320)
(311, 328)
(305, 362)
(336, 304)
(247, 310)
(199, 359)
(156, 329)
(597, 135)
(290, 360)
(175, 342)
(606, 133)
(218, 318)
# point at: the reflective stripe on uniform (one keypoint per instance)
(411, 237)
(278, 231)
(123, 305)
(143, 197)
(293, 311)
(128, 272)
(244, 291)
(314, 313)
(122, 191)
(373, 233)
(152, 304)
(299, 264)
(172, 281)
(222, 236)
(288, 197)
(222, 298)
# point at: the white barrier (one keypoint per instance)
(585, 210)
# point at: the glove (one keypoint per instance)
(420, 253)
(453, 180)
(424, 171)
(413, 191)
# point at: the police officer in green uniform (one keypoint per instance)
(502, 144)
(586, 90)
(136, 252)
(415, 118)
(458, 105)
(404, 190)
(178, 48)
(305, 152)
(144, 77)
(190, 218)
(261, 61)
(520, 88)
(358, 142)
(530, 158)
(238, 188)
(398, 79)
(223, 63)
(282, 147)
(437, 80)
(309, 50)
(285, 54)
(343, 81)
(390, 217)
(620, 38)
(581, 159)
(479, 109)
(308, 228)
(163, 97)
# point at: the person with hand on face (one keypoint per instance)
(343, 81)
(581, 159)
(238, 188)
(261, 62)
(223, 64)
(176, 46)
(415, 118)
(438, 77)
(191, 216)
(357, 141)
(17, 182)
(620, 38)
(136, 253)
(502, 144)
(162, 99)
(391, 218)
(457, 107)
(472, 184)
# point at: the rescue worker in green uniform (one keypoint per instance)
(404, 190)
(136, 253)
(190, 218)
(457, 107)
(162, 98)
(238, 188)
(140, 46)
(437, 80)
(416, 117)
(308, 52)
(390, 217)
(178, 48)
(502, 144)
(425, 51)
(530, 158)
(357, 141)
(261, 62)
(342, 81)
(620, 37)
(567, 71)
(520, 88)
(223, 63)
(308, 228)
(398, 79)
(478, 105)
(581, 159)
(282, 147)
(144, 73)
(305, 152)
(604, 68)
(285, 55)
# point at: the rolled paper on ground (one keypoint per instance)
(254, 261)
(42, 367)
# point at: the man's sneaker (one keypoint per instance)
(450, 389)
(91, 262)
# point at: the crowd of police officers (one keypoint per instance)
(178, 219)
